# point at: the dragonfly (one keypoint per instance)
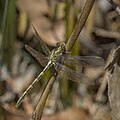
(57, 58)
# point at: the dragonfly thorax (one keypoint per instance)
(57, 53)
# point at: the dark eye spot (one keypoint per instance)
(57, 44)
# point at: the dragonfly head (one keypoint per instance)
(61, 46)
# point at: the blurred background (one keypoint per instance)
(55, 20)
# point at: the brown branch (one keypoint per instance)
(37, 114)
(114, 84)
(105, 33)
(79, 25)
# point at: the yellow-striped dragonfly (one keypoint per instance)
(57, 57)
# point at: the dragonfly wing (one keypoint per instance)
(84, 60)
(73, 75)
(42, 59)
(44, 47)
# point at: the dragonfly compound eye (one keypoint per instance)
(61, 45)
(57, 44)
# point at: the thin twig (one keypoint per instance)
(37, 114)
(105, 33)
(115, 6)
(101, 90)
(79, 25)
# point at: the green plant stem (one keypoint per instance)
(8, 32)
(3, 26)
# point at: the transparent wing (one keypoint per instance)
(44, 47)
(84, 60)
(42, 59)
(73, 75)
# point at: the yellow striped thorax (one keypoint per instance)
(57, 52)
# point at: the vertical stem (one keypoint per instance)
(80, 23)
(3, 29)
(37, 114)
(8, 30)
